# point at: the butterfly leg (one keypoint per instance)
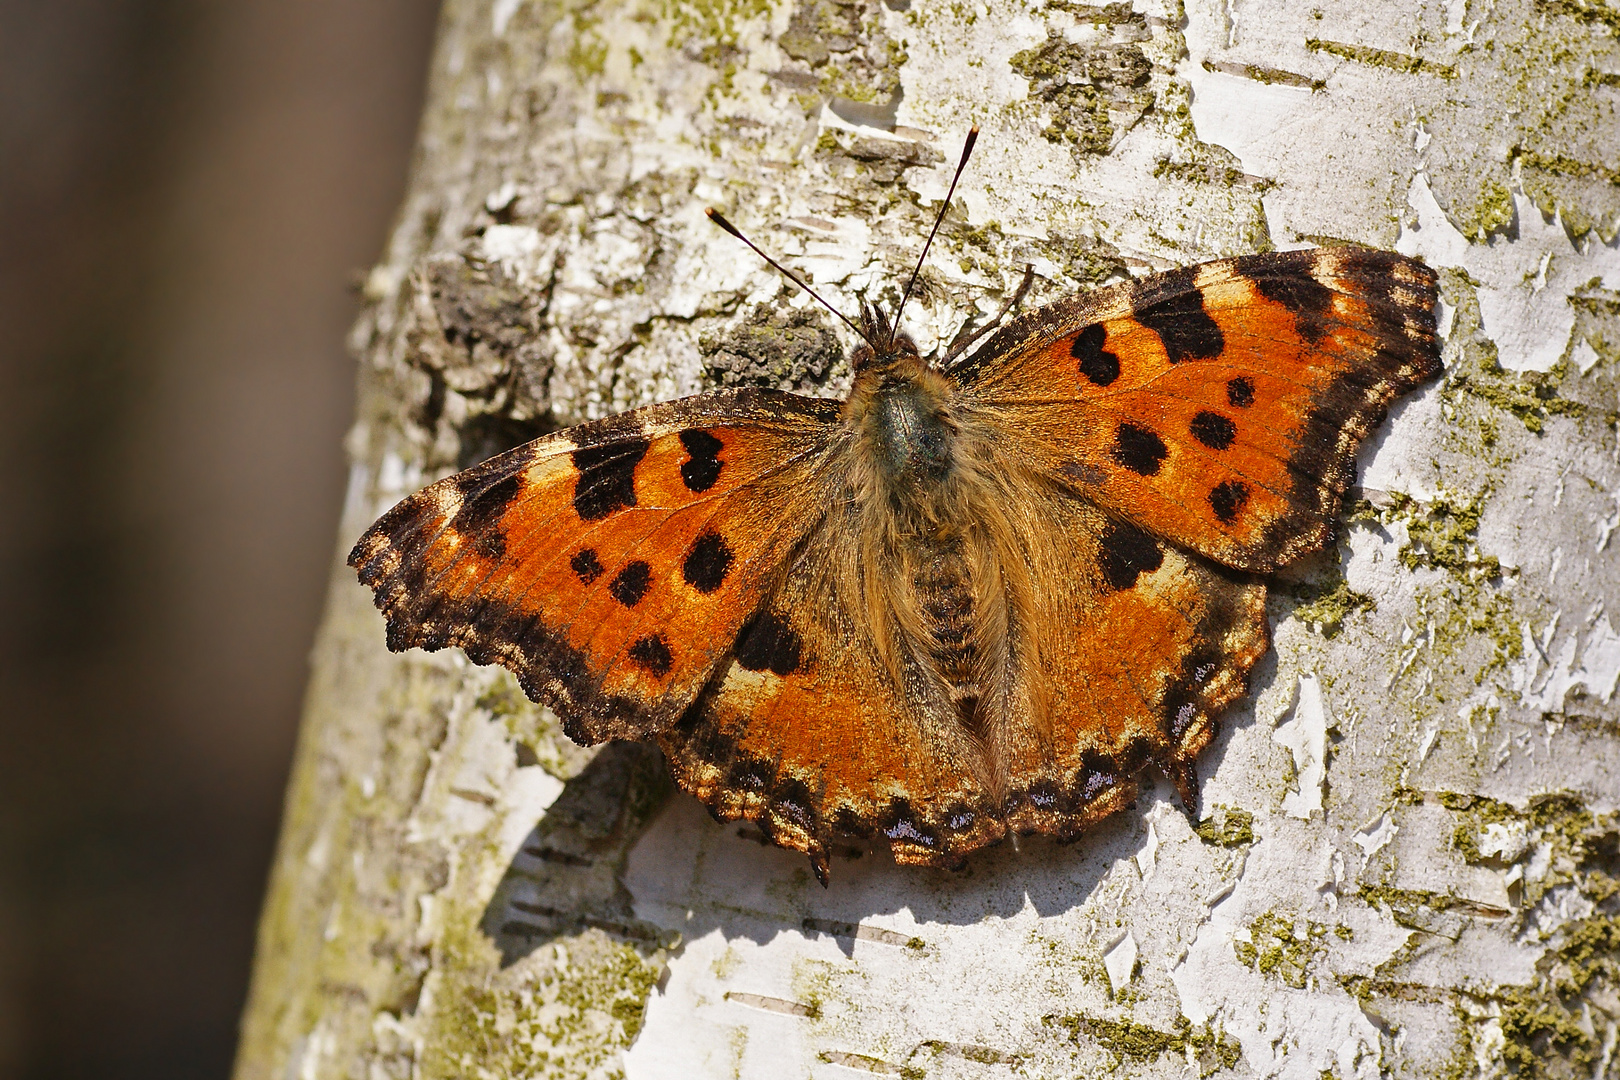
(964, 339)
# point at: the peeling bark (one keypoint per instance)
(1411, 860)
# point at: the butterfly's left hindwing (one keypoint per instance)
(806, 733)
(1219, 406)
(610, 566)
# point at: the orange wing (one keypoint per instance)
(1219, 406)
(1140, 645)
(807, 732)
(610, 566)
(1126, 649)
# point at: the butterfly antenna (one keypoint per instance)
(720, 220)
(967, 151)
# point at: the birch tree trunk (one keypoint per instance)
(1411, 863)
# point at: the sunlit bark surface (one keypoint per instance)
(1409, 864)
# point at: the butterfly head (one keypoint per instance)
(886, 348)
(899, 411)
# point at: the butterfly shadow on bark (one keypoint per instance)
(616, 854)
(567, 875)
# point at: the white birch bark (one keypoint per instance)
(1410, 867)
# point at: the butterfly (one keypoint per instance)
(974, 599)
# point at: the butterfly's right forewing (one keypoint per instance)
(612, 565)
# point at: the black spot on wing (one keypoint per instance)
(1182, 697)
(1310, 302)
(1392, 287)
(1240, 392)
(1185, 328)
(702, 468)
(959, 817)
(481, 508)
(767, 643)
(1213, 430)
(1082, 471)
(1179, 716)
(700, 443)
(1187, 697)
(1138, 449)
(586, 566)
(607, 477)
(847, 821)
(631, 583)
(652, 653)
(707, 563)
(1043, 794)
(1099, 366)
(792, 801)
(1227, 498)
(1125, 553)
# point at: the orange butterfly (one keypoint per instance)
(976, 597)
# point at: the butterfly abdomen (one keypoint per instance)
(944, 593)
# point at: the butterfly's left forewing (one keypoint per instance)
(1219, 406)
(610, 566)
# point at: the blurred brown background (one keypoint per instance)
(187, 193)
